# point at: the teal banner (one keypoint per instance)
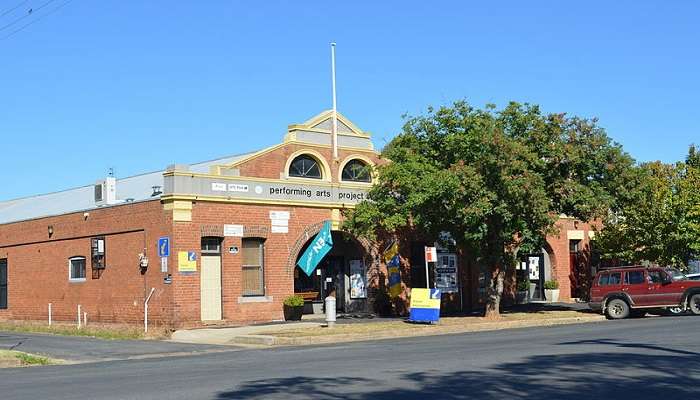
(319, 247)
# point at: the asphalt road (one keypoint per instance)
(650, 358)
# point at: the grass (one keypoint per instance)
(11, 358)
(446, 325)
(101, 332)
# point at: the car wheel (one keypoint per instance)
(694, 304)
(618, 309)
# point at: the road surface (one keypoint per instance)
(650, 358)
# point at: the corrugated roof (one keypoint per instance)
(138, 188)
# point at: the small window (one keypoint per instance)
(615, 278)
(252, 255)
(356, 171)
(305, 166)
(574, 246)
(211, 245)
(3, 283)
(603, 280)
(98, 193)
(634, 277)
(76, 269)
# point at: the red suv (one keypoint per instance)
(624, 291)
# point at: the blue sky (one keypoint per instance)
(137, 85)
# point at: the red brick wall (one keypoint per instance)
(38, 265)
(279, 279)
(559, 253)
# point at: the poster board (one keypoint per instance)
(358, 280)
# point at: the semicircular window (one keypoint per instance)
(305, 166)
(356, 171)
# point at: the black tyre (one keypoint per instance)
(617, 309)
(694, 304)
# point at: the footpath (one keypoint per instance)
(349, 329)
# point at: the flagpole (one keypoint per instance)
(334, 128)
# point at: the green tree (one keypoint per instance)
(660, 222)
(495, 180)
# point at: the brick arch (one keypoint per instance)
(309, 232)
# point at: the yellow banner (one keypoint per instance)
(391, 252)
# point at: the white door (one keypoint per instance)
(210, 288)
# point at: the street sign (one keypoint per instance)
(430, 254)
(164, 247)
(164, 264)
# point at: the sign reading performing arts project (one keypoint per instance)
(263, 190)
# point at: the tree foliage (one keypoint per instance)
(494, 179)
(661, 221)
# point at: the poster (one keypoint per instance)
(358, 280)
(534, 268)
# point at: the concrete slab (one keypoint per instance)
(230, 336)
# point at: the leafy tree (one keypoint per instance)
(661, 221)
(495, 180)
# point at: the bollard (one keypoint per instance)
(330, 311)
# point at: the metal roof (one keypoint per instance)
(138, 188)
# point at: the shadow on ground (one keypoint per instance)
(652, 372)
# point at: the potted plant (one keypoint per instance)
(293, 308)
(521, 293)
(551, 291)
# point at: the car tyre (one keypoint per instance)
(694, 304)
(675, 310)
(617, 309)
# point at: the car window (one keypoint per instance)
(634, 277)
(655, 276)
(603, 280)
(615, 278)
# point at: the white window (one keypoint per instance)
(76, 269)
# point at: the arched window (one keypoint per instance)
(356, 171)
(305, 166)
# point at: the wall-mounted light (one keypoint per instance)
(50, 230)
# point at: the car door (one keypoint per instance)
(664, 289)
(635, 285)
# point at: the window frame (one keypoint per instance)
(70, 269)
(4, 295)
(628, 281)
(205, 243)
(352, 161)
(318, 163)
(261, 268)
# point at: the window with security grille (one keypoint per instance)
(253, 252)
(305, 166)
(3, 284)
(356, 171)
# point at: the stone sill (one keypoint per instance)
(255, 299)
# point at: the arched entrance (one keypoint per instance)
(342, 271)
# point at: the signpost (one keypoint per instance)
(430, 256)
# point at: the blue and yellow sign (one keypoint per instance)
(425, 305)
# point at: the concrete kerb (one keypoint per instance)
(256, 335)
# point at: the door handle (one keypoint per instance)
(625, 289)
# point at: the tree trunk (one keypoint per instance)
(494, 292)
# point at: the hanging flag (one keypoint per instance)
(392, 260)
(319, 247)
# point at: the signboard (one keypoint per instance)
(425, 305)
(233, 250)
(446, 274)
(164, 264)
(279, 221)
(279, 229)
(232, 187)
(187, 261)
(233, 230)
(358, 280)
(430, 254)
(164, 247)
(279, 215)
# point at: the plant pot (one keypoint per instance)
(293, 313)
(533, 287)
(521, 297)
(552, 295)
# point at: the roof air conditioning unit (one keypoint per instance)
(106, 191)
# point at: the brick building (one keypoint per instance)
(218, 241)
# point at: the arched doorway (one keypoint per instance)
(342, 271)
